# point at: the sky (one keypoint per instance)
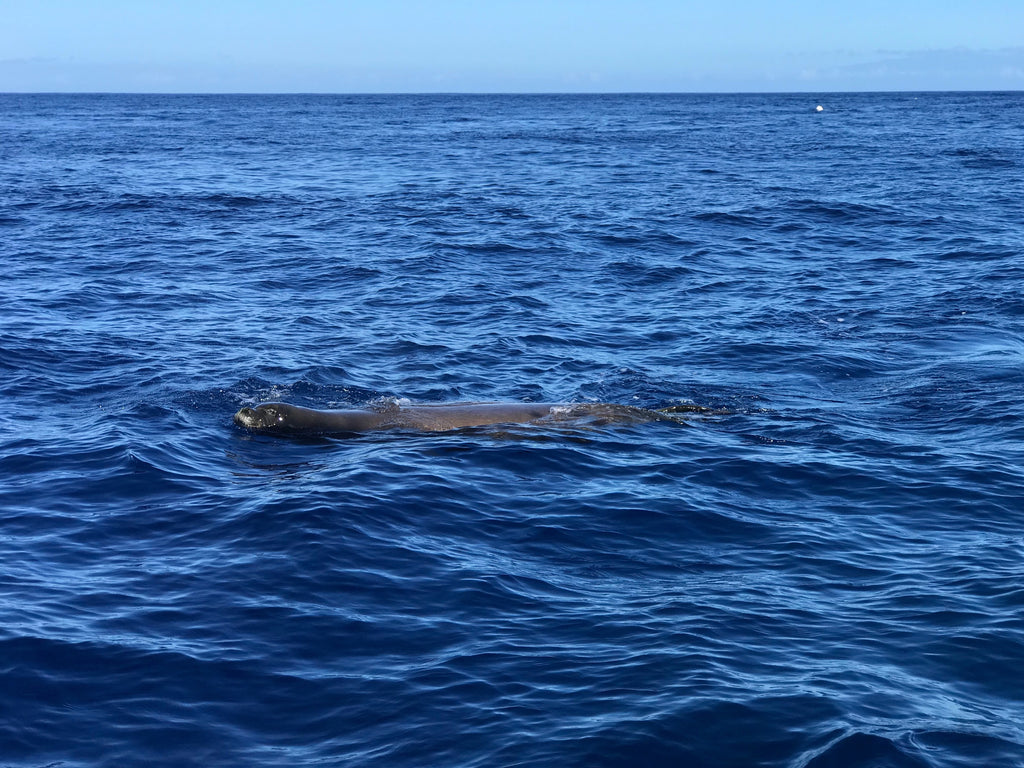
(502, 46)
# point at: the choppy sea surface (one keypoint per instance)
(828, 570)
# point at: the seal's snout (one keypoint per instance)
(266, 416)
(246, 417)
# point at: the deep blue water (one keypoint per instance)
(829, 571)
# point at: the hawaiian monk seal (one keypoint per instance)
(283, 418)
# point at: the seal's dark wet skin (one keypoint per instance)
(284, 418)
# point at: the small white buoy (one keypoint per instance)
(819, 108)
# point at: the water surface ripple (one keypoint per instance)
(826, 571)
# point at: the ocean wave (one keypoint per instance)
(822, 568)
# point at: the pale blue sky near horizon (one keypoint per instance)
(406, 46)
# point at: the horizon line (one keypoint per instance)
(509, 93)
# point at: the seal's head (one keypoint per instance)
(266, 416)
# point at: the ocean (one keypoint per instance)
(825, 568)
